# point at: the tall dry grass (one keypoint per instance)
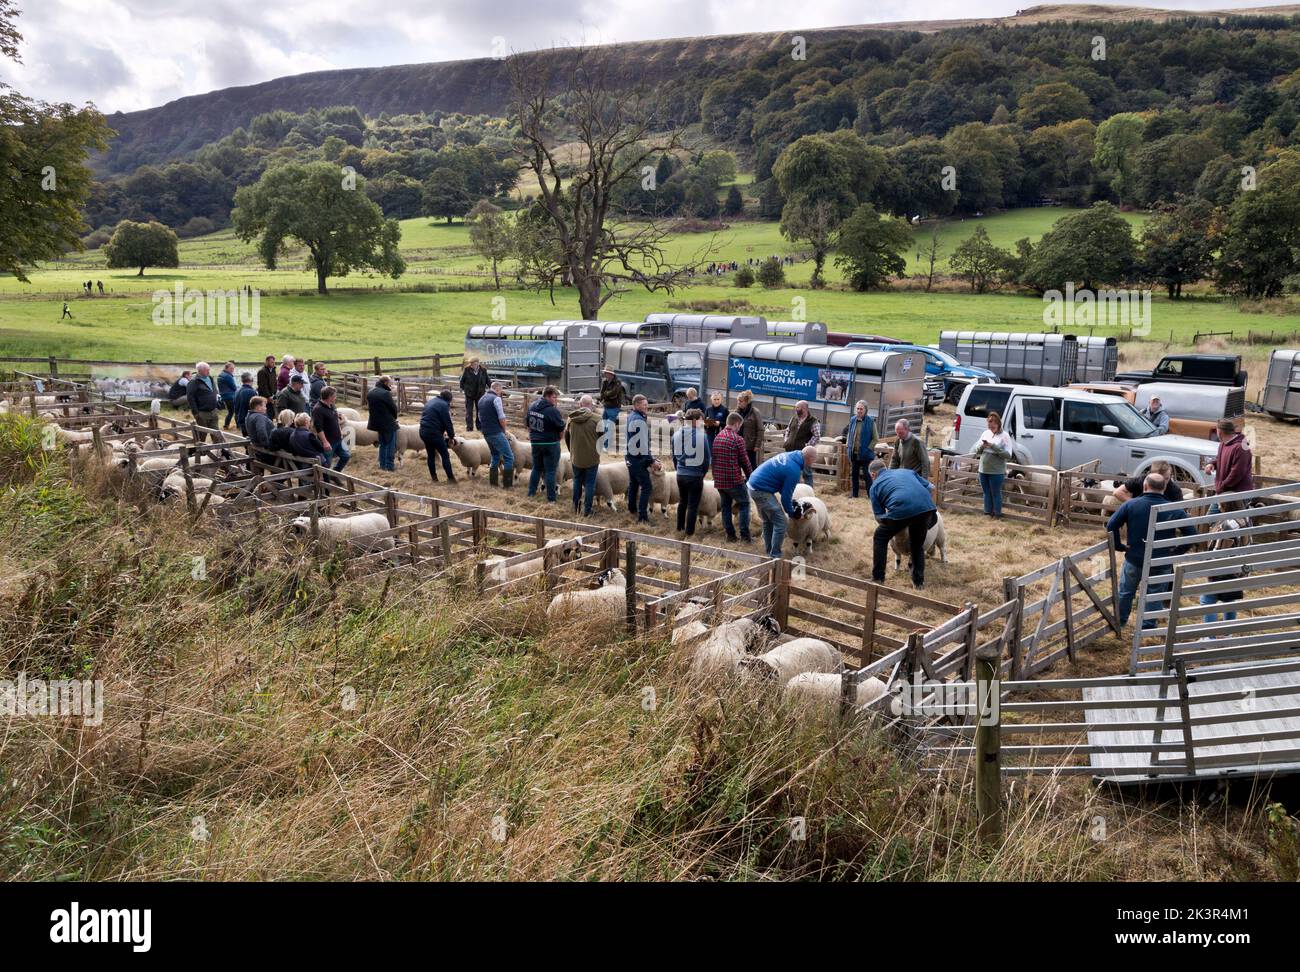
(281, 719)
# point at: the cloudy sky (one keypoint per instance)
(130, 54)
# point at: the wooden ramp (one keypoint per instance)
(1240, 723)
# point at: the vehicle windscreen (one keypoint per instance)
(684, 361)
(943, 358)
(1131, 424)
(983, 400)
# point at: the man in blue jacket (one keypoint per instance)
(545, 427)
(860, 437)
(771, 487)
(245, 395)
(492, 423)
(227, 390)
(901, 500)
(436, 432)
(1135, 516)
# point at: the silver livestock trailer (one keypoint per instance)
(797, 332)
(566, 354)
(1281, 397)
(634, 330)
(702, 328)
(830, 379)
(1049, 360)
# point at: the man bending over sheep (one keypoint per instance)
(772, 490)
(901, 500)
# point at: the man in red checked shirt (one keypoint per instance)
(1232, 466)
(731, 471)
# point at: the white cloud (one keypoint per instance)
(130, 54)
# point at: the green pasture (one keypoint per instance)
(374, 315)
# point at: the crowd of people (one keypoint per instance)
(710, 438)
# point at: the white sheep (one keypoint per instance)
(812, 524)
(472, 453)
(663, 488)
(174, 485)
(611, 483)
(1032, 480)
(803, 491)
(936, 536)
(607, 602)
(826, 687)
(566, 551)
(728, 644)
(355, 528)
(351, 414)
(787, 660)
(523, 452)
(361, 434)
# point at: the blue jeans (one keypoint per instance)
(772, 513)
(501, 451)
(340, 453)
(1208, 599)
(639, 486)
(609, 431)
(546, 459)
(388, 450)
(740, 496)
(584, 489)
(1129, 579)
(991, 483)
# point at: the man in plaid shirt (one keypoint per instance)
(731, 469)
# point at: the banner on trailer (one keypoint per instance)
(784, 379)
(502, 354)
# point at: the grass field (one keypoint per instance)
(372, 315)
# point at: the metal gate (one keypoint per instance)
(583, 349)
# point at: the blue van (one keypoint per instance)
(939, 364)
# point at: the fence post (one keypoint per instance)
(390, 507)
(988, 746)
(630, 576)
(972, 639)
(444, 530)
(782, 611)
(869, 623)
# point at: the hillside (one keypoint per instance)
(175, 129)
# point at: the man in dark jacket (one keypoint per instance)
(266, 377)
(751, 426)
(258, 427)
(545, 427)
(492, 423)
(1134, 517)
(292, 397)
(437, 432)
(319, 380)
(176, 394)
(909, 451)
(1232, 466)
(325, 420)
(611, 405)
(804, 430)
(305, 443)
(639, 457)
(245, 395)
(383, 420)
(474, 383)
(201, 394)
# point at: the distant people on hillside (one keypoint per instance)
(100, 285)
(66, 313)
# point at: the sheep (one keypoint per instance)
(566, 551)
(522, 451)
(1032, 480)
(728, 644)
(357, 528)
(173, 485)
(787, 660)
(663, 488)
(692, 614)
(472, 453)
(611, 482)
(812, 522)
(607, 602)
(826, 687)
(564, 472)
(936, 536)
(710, 504)
(408, 437)
(361, 434)
(351, 414)
(803, 491)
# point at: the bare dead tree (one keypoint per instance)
(573, 236)
(933, 255)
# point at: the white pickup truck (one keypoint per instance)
(1063, 428)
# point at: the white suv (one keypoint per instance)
(1063, 428)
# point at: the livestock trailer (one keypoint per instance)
(635, 330)
(797, 332)
(830, 379)
(703, 328)
(565, 354)
(1047, 360)
(1282, 384)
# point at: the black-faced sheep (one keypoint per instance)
(607, 602)
(811, 522)
(789, 659)
(728, 644)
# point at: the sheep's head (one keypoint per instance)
(301, 524)
(769, 624)
(613, 577)
(568, 550)
(801, 508)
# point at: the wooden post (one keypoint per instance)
(478, 522)
(988, 746)
(390, 507)
(972, 639)
(609, 550)
(630, 572)
(189, 481)
(444, 531)
(869, 623)
(782, 612)
(684, 574)
(413, 537)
